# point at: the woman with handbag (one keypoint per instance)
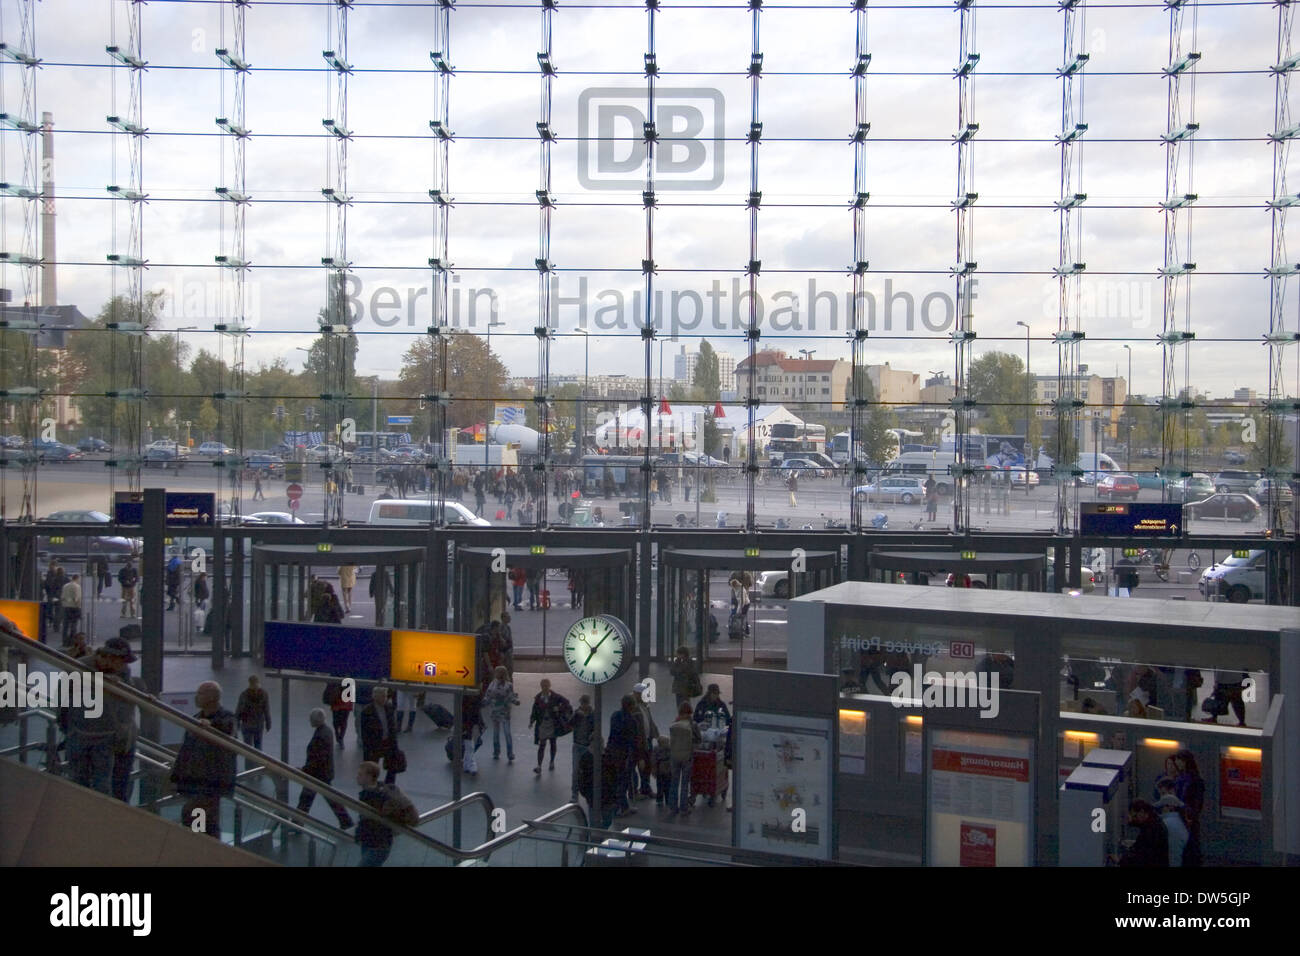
(547, 721)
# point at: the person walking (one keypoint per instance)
(173, 582)
(70, 600)
(128, 578)
(340, 707)
(585, 728)
(500, 698)
(375, 838)
(253, 711)
(258, 494)
(52, 587)
(347, 581)
(792, 485)
(377, 724)
(320, 764)
(203, 771)
(548, 719)
(103, 580)
(622, 749)
(683, 737)
(686, 679)
(647, 732)
(201, 591)
(518, 579)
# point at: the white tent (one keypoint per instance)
(683, 428)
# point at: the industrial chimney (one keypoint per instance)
(49, 271)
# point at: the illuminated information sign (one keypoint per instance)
(1139, 519)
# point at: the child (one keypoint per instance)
(663, 764)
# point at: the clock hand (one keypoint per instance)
(594, 650)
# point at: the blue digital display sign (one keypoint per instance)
(1132, 519)
(361, 652)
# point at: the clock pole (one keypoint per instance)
(596, 754)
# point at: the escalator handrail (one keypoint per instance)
(147, 703)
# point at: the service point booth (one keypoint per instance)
(970, 722)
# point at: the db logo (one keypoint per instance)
(962, 650)
(429, 669)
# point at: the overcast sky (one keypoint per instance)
(804, 224)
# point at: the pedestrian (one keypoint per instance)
(686, 679)
(712, 709)
(52, 586)
(377, 724)
(518, 579)
(604, 814)
(792, 485)
(258, 495)
(347, 581)
(380, 587)
(500, 698)
(575, 588)
(173, 582)
(663, 764)
(101, 746)
(201, 591)
(1151, 849)
(340, 706)
(405, 702)
(646, 734)
(506, 647)
(622, 750)
(203, 771)
(103, 579)
(253, 711)
(375, 838)
(687, 483)
(683, 738)
(534, 579)
(585, 729)
(549, 718)
(1189, 787)
(320, 764)
(1173, 815)
(329, 611)
(128, 577)
(70, 599)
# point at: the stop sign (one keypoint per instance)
(294, 492)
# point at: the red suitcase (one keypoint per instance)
(708, 774)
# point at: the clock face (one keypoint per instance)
(597, 649)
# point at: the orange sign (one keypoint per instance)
(25, 616)
(433, 657)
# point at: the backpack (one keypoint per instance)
(563, 717)
(398, 807)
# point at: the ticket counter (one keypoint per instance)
(1194, 689)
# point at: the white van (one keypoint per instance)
(1094, 465)
(924, 464)
(419, 511)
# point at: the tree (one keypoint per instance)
(475, 378)
(999, 387)
(875, 438)
(707, 380)
(98, 361)
(1271, 449)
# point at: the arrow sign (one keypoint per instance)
(463, 672)
(457, 657)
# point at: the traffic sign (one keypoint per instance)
(400, 419)
(435, 657)
(294, 492)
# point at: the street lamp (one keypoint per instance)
(807, 357)
(184, 328)
(1128, 417)
(1029, 384)
(582, 402)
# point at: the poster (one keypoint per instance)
(853, 741)
(1241, 782)
(979, 799)
(783, 799)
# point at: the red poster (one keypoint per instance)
(1239, 783)
(983, 765)
(979, 845)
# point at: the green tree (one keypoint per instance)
(98, 361)
(999, 386)
(707, 380)
(475, 378)
(875, 438)
(1271, 449)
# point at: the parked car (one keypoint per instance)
(1020, 475)
(1194, 488)
(268, 466)
(1235, 579)
(324, 452)
(1238, 481)
(12, 441)
(774, 584)
(905, 490)
(164, 457)
(166, 444)
(108, 545)
(1087, 577)
(1234, 458)
(57, 451)
(272, 517)
(211, 449)
(803, 467)
(1225, 506)
(1280, 490)
(1117, 486)
(419, 511)
(93, 445)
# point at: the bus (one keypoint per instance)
(792, 440)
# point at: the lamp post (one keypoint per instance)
(1128, 414)
(184, 328)
(807, 357)
(1029, 384)
(582, 401)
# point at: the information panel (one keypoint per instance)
(979, 799)
(25, 616)
(1136, 519)
(185, 509)
(360, 652)
(784, 804)
(431, 657)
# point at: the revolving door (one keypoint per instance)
(387, 588)
(540, 595)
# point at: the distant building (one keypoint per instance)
(810, 384)
(684, 368)
(55, 323)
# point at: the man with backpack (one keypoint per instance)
(375, 838)
(128, 577)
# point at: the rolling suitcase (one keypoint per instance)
(708, 776)
(439, 715)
